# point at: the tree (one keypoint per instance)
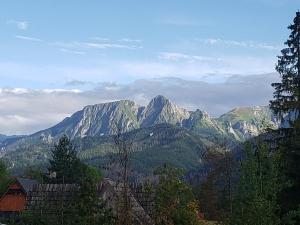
(64, 162)
(216, 191)
(4, 178)
(174, 203)
(256, 197)
(286, 105)
(288, 90)
(89, 208)
(122, 164)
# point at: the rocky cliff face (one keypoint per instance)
(245, 122)
(201, 122)
(161, 132)
(123, 116)
(120, 116)
(161, 110)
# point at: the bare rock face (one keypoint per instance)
(123, 116)
(120, 116)
(161, 110)
(157, 130)
(246, 122)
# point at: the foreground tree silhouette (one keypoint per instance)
(288, 90)
(286, 105)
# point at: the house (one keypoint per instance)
(111, 191)
(14, 199)
(53, 199)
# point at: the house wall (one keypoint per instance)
(13, 200)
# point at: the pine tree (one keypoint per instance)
(64, 162)
(286, 105)
(288, 90)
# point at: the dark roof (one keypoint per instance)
(50, 197)
(27, 184)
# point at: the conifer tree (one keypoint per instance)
(256, 197)
(286, 105)
(287, 91)
(64, 162)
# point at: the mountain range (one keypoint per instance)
(93, 126)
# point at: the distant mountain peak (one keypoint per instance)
(159, 101)
(126, 115)
(160, 98)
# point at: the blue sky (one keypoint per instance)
(47, 43)
(72, 49)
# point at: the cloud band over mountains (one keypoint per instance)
(24, 111)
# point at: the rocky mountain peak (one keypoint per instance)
(125, 115)
(158, 103)
(162, 110)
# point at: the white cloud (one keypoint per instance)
(181, 66)
(72, 51)
(130, 40)
(233, 43)
(172, 64)
(27, 38)
(27, 110)
(93, 45)
(32, 110)
(21, 25)
(175, 56)
(107, 45)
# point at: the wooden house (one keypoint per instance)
(54, 199)
(14, 199)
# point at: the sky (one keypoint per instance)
(58, 56)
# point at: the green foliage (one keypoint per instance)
(287, 91)
(286, 104)
(89, 209)
(35, 174)
(292, 217)
(5, 180)
(65, 162)
(259, 184)
(91, 174)
(175, 203)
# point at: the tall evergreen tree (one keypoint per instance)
(287, 91)
(64, 162)
(256, 198)
(286, 105)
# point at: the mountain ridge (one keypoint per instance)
(126, 115)
(98, 122)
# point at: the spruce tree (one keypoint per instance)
(288, 90)
(64, 162)
(286, 105)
